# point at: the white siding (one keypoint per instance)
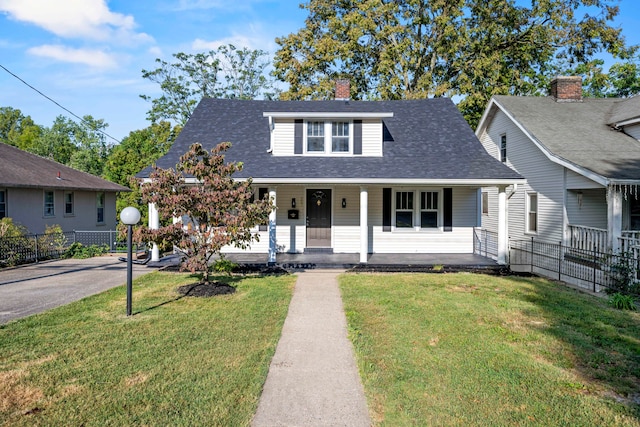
(592, 212)
(282, 136)
(371, 138)
(577, 181)
(633, 131)
(543, 177)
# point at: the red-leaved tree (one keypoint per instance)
(214, 212)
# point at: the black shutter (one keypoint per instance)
(297, 137)
(357, 137)
(386, 209)
(447, 209)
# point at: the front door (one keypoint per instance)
(319, 218)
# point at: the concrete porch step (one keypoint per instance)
(318, 250)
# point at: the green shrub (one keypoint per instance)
(80, 251)
(224, 266)
(622, 302)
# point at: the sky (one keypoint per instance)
(88, 55)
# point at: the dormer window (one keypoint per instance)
(328, 137)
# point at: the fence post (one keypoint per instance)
(560, 260)
(595, 259)
(35, 241)
(531, 254)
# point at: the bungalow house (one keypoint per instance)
(581, 160)
(37, 192)
(349, 176)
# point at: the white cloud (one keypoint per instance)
(92, 57)
(75, 18)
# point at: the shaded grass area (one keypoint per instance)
(178, 361)
(475, 350)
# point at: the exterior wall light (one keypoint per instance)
(344, 203)
(293, 202)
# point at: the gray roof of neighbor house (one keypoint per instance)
(578, 133)
(26, 170)
(425, 139)
(625, 110)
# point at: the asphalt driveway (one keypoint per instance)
(35, 288)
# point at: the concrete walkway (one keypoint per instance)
(313, 379)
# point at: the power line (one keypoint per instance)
(86, 123)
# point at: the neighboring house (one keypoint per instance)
(37, 192)
(581, 160)
(353, 176)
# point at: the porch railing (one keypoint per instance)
(629, 241)
(485, 243)
(587, 238)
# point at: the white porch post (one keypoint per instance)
(502, 226)
(364, 227)
(272, 227)
(154, 224)
(614, 218)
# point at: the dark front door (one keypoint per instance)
(319, 218)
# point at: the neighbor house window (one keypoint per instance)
(3, 204)
(49, 203)
(315, 137)
(532, 212)
(503, 148)
(100, 208)
(485, 203)
(68, 203)
(404, 209)
(429, 209)
(340, 137)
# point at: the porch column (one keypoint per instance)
(614, 218)
(154, 224)
(364, 227)
(272, 227)
(502, 226)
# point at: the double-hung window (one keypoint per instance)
(404, 209)
(328, 137)
(532, 212)
(634, 213)
(429, 209)
(49, 203)
(100, 208)
(340, 137)
(485, 203)
(68, 203)
(503, 148)
(315, 137)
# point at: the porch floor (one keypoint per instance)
(376, 262)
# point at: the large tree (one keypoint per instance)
(138, 150)
(421, 48)
(228, 72)
(216, 212)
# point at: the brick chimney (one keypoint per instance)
(343, 89)
(566, 88)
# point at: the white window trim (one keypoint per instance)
(417, 226)
(44, 204)
(328, 138)
(527, 211)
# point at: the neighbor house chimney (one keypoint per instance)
(566, 88)
(343, 89)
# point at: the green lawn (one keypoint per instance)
(177, 361)
(476, 350)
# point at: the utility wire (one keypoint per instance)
(86, 123)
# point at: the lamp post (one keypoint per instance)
(129, 216)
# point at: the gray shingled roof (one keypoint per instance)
(626, 109)
(578, 133)
(22, 169)
(427, 139)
